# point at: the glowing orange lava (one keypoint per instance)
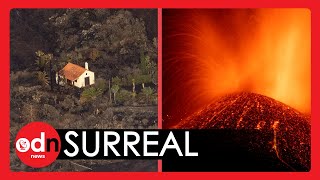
(208, 53)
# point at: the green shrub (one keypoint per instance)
(101, 84)
(147, 92)
(114, 90)
(43, 60)
(124, 96)
(43, 78)
(90, 94)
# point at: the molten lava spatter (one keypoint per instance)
(290, 142)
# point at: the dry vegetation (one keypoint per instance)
(120, 50)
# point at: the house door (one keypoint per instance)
(86, 81)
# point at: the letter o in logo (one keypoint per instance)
(22, 145)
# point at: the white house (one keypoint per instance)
(75, 75)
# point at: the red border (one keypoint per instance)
(6, 5)
(159, 76)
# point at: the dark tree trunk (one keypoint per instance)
(110, 91)
(50, 74)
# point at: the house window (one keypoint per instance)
(75, 80)
(86, 73)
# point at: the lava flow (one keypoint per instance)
(253, 112)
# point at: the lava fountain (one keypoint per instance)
(241, 69)
(208, 53)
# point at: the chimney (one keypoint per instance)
(86, 66)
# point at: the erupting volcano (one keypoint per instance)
(241, 70)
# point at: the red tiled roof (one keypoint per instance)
(72, 71)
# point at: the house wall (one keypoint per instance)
(80, 82)
(62, 82)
